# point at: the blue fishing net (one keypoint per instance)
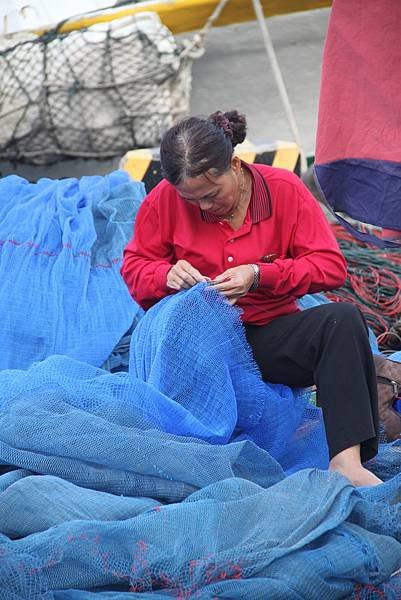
(192, 348)
(187, 477)
(232, 539)
(61, 245)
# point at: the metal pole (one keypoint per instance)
(279, 80)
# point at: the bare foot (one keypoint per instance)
(356, 474)
(348, 463)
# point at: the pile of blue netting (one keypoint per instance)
(61, 245)
(185, 477)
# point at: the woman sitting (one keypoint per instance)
(260, 238)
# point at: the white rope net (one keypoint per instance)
(91, 93)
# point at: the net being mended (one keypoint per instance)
(186, 478)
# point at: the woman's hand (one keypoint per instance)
(183, 276)
(235, 282)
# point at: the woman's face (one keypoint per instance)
(218, 195)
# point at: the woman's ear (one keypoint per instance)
(236, 164)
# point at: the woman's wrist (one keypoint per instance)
(256, 277)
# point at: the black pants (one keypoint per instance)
(327, 346)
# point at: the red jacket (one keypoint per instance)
(285, 232)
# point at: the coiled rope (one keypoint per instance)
(374, 286)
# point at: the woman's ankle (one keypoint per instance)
(348, 463)
(347, 458)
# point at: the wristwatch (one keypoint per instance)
(256, 277)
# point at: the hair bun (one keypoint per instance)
(221, 121)
(238, 126)
(232, 123)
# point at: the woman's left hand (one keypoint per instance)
(234, 282)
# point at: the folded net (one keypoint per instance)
(187, 477)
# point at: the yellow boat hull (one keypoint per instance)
(188, 15)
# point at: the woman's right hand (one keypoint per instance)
(183, 276)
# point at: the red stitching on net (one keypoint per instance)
(49, 254)
(369, 588)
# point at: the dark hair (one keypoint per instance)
(196, 145)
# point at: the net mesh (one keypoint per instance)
(145, 496)
(61, 245)
(186, 477)
(94, 93)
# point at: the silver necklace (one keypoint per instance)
(242, 188)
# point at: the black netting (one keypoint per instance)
(94, 92)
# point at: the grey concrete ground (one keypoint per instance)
(234, 72)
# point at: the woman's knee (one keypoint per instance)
(345, 315)
(344, 311)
